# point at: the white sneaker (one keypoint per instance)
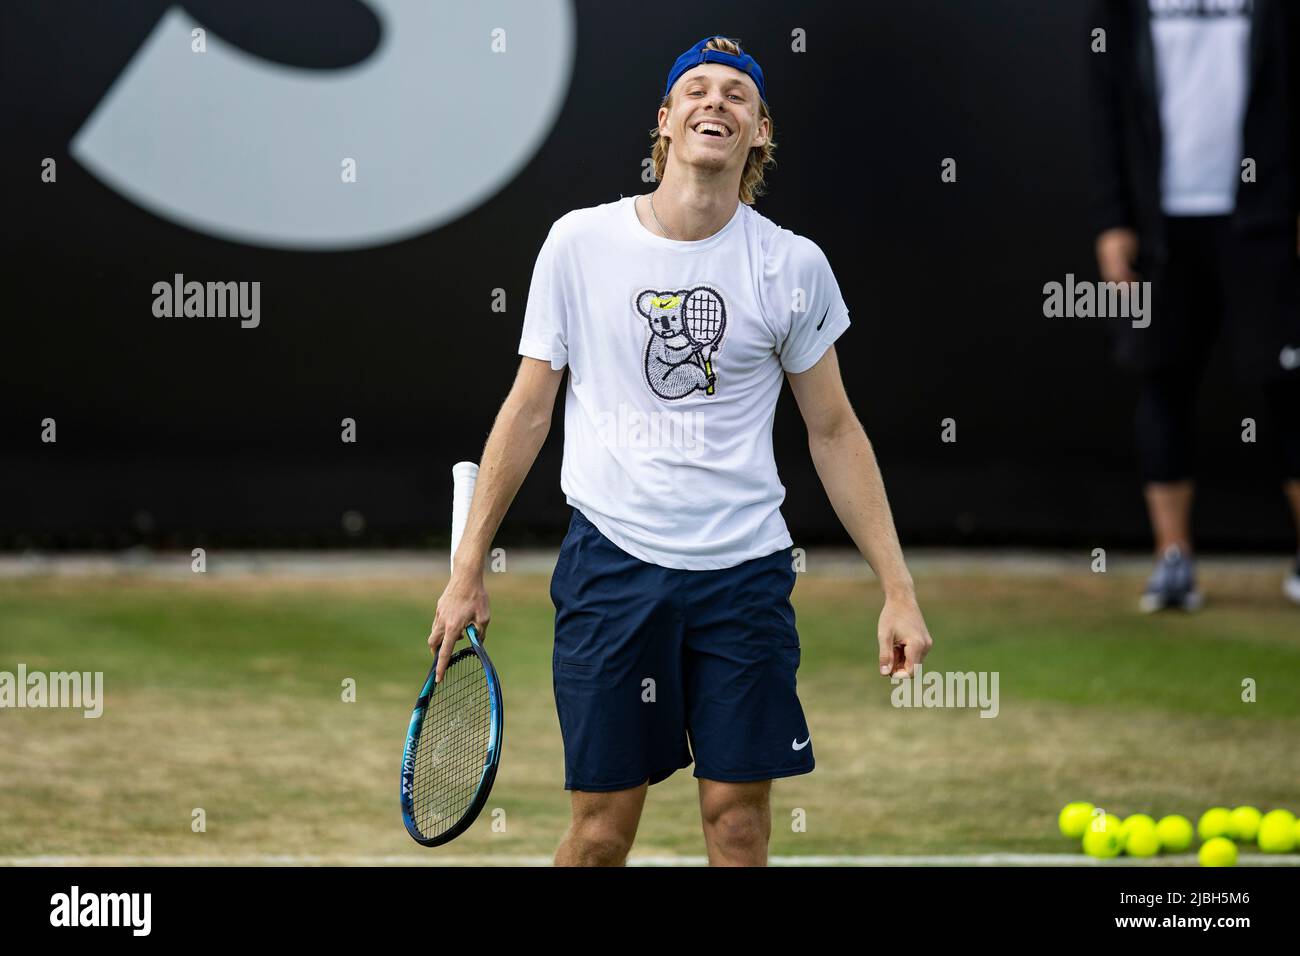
(1172, 584)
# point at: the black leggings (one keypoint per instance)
(1165, 423)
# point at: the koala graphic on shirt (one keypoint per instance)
(686, 328)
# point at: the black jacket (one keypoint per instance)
(1125, 122)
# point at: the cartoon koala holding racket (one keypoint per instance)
(686, 328)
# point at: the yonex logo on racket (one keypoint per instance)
(686, 331)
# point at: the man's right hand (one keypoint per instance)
(1117, 251)
(463, 602)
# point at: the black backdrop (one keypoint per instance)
(174, 433)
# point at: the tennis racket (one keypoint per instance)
(706, 320)
(453, 743)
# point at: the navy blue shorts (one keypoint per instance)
(653, 665)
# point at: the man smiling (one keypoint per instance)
(675, 638)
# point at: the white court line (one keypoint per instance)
(330, 565)
(434, 859)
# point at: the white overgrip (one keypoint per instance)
(463, 476)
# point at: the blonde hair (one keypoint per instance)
(760, 157)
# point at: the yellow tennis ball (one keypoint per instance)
(1243, 824)
(1214, 823)
(1142, 840)
(1297, 832)
(1102, 844)
(1277, 832)
(1134, 821)
(1103, 839)
(1073, 819)
(1175, 833)
(1218, 851)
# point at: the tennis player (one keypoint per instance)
(678, 315)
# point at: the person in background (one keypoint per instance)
(1195, 128)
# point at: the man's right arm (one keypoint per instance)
(521, 427)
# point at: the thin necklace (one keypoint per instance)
(656, 215)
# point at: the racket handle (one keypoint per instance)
(708, 372)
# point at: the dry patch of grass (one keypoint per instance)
(225, 695)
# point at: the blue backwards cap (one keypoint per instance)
(697, 54)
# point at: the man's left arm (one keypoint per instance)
(846, 465)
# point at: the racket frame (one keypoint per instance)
(706, 363)
(496, 733)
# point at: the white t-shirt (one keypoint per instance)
(1202, 69)
(672, 464)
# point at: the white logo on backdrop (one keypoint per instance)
(242, 148)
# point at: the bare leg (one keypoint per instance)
(737, 820)
(1291, 586)
(602, 829)
(1170, 506)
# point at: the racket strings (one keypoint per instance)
(453, 746)
(703, 312)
